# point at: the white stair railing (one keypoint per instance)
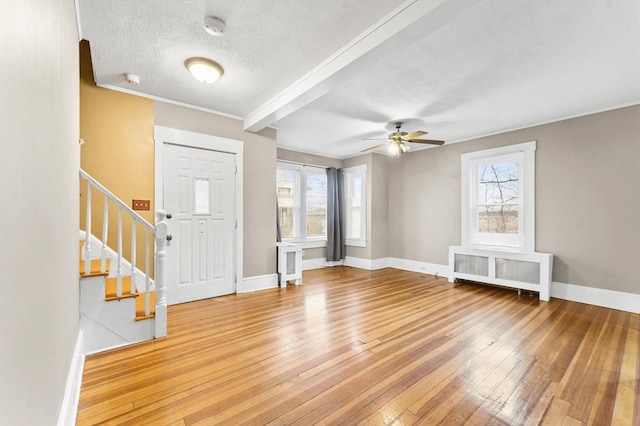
(160, 232)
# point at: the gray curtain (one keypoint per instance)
(336, 249)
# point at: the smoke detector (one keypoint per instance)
(214, 26)
(132, 79)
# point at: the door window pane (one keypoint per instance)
(201, 196)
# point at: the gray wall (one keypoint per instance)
(311, 159)
(381, 210)
(587, 198)
(39, 162)
(259, 179)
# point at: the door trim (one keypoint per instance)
(163, 135)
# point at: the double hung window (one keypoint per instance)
(498, 188)
(302, 202)
(355, 200)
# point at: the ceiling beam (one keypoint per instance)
(411, 21)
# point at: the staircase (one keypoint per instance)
(119, 303)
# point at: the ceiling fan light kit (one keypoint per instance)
(397, 143)
(398, 148)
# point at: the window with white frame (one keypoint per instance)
(302, 202)
(498, 196)
(355, 200)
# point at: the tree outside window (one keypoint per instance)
(498, 197)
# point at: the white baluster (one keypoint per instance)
(133, 255)
(160, 275)
(87, 236)
(119, 276)
(147, 284)
(105, 230)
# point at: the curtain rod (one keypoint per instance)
(303, 164)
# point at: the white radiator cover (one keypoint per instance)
(522, 270)
(289, 263)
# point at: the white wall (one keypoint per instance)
(39, 161)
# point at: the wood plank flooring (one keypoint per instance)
(388, 347)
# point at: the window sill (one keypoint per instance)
(306, 244)
(500, 248)
(356, 243)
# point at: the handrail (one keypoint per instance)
(116, 200)
(160, 233)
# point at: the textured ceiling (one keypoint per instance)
(268, 44)
(462, 70)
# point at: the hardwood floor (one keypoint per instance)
(350, 347)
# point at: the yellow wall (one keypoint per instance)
(119, 152)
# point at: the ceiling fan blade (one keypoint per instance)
(429, 141)
(414, 135)
(374, 147)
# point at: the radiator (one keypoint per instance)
(289, 263)
(522, 270)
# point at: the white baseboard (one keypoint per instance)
(259, 282)
(318, 263)
(619, 300)
(369, 264)
(394, 262)
(415, 266)
(69, 408)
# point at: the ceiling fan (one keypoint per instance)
(397, 142)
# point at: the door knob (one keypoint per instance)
(168, 215)
(169, 237)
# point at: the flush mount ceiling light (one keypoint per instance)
(204, 70)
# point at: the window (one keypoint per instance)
(498, 197)
(201, 196)
(355, 191)
(302, 202)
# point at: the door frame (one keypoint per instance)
(184, 138)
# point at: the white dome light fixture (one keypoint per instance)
(204, 70)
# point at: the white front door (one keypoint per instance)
(199, 193)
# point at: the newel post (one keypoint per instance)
(161, 273)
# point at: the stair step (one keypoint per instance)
(111, 289)
(111, 286)
(95, 268)
(140, 304)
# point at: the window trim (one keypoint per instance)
(300, 205)
(360, 170)
(525, 239)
